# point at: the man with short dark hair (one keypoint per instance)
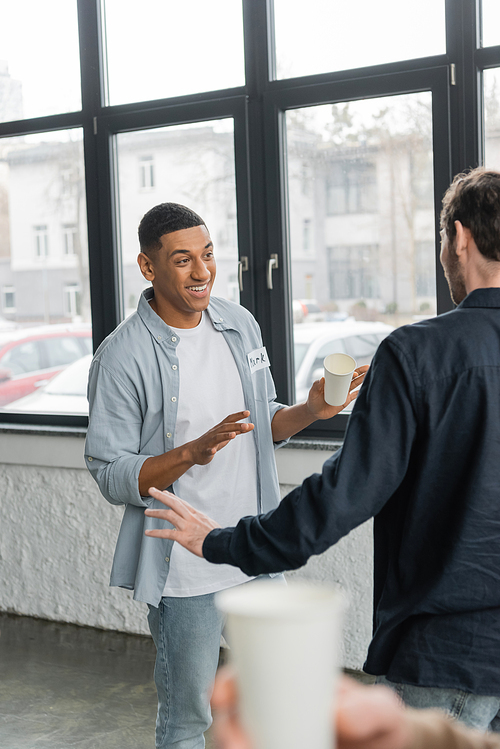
(422, 456)
(157, 386)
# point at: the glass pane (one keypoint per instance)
(42, 329)
(491, 22)
(39, 59)
(491, 82)
(339, 36)
(360, 190)
(147, 60)
(188, 164)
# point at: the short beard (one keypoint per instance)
(454, 276)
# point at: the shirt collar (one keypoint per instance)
(482, 298)
(157, 327)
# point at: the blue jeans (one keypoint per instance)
(186, 632)
(475, 710)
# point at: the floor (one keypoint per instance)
(63, 686)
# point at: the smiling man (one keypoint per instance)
(158, 384)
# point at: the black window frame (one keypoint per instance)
(258, 109)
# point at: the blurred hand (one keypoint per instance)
(368, 717)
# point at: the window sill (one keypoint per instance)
(44, 430)
(27, 444)
(301, 457)
(299, 443)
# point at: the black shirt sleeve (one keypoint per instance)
(353, 486)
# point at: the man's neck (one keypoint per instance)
(483, 279)
(176, 318)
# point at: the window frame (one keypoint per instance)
(6, 291)
(258, 109)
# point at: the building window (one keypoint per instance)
(72, 307)
(67, 181)
(41, 241)
(306, 179)
(69, 239)
(353, 272)
(351, 187)
(306, 235)
(421, 179)
(425, 269)
(9, 299)
(146, 173)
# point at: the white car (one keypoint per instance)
(313, 342)
(66, 393)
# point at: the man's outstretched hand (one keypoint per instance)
(191, 527)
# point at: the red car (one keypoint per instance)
(29, 358)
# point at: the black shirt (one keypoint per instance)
(422, 456)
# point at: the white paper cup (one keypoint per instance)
(284, 643)
(338, 375)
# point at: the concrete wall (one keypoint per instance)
(57, 536)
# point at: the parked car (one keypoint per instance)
(313, 342)
(66, 393)
(307, 310)
(29, 358)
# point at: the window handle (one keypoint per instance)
(272, 264)
(242, 266)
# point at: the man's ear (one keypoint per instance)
(462, 238)
(146, 266)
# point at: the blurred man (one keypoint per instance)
(158, 385)
(422, 456)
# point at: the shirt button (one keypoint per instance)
(174, 399)
(221, 319)
(167, 559)
(174, 339)
(90, 459)
(158, 337)
(174, 366)
(169, 434)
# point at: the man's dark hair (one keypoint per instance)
(164, 219)
(473, 198)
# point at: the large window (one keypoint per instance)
(490, 22)
(44, 269)
(39, 61)
(161, 49)
(338, 36)
(373, 224)
(316, 143)
(195, 167)
(491, 80)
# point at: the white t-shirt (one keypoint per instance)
(226, 488)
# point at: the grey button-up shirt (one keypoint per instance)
(133, 395)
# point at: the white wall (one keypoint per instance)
(57, 536)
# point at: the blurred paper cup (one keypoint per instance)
(339, 369)
(284, 644)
